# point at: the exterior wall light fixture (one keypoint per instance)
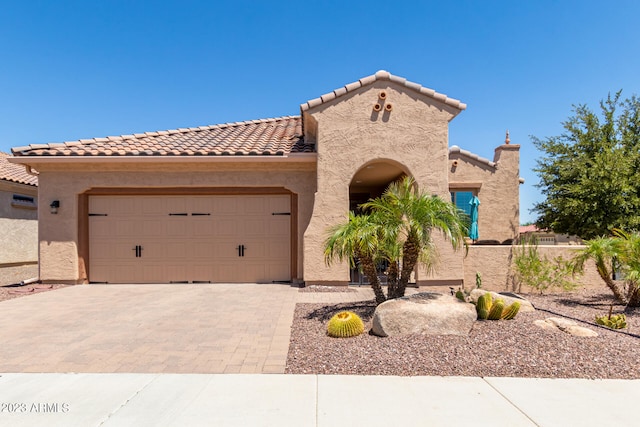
(55, 205)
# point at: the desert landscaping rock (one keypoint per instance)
(424, 313)
(503, 348)
(565, 325)
(580, 331)
(547, 326)
(525, 305)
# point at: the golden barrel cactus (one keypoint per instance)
(345, 324)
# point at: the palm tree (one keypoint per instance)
(407, 219)
(359, 238)
(622, 251)
(603, 251)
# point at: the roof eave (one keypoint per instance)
(454, 149)
(383, 75)
(289, 158)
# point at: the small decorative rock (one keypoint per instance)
(525, 305)
(565, 325)
(424, 313)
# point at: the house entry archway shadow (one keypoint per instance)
(369, 182)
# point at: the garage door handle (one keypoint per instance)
(241, 249)
(138, 250)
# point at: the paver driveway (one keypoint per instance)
(218, 328)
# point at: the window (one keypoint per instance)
(461, 199)
(20, 201)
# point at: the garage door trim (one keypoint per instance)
(83, 214)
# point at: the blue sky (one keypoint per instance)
(84, 69)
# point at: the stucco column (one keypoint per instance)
(331, 207)
(58, 232)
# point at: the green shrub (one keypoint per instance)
(615, 321)
(539, 272)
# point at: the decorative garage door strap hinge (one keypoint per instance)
(281, 213)
(200, 214)
(179, 214)
(95, 214)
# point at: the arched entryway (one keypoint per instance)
(369, 182)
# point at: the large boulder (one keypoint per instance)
(508, 298)
(424, 313)
(565, 325)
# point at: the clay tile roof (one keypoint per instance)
(15, 173)
(268, 137)
(382, 75)
(468, 154)
(531, 228)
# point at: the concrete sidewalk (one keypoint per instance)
(311, 400)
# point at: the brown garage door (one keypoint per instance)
(189, 239)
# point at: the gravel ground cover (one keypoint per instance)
(514, 348)
(11, 292)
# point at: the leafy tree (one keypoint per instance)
(398, 228)
(590, 174)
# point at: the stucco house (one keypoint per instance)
(18, 214)
(252, 201)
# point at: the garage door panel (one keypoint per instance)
(125, 228)
(176, 273)
(226, 226)
(203, 205)
(255, 206)
(279, 227)
(174, 205)
(202, 272)
(203, 228)
(253, 272)
(279, 271)
(278, 249)
(102, 227)
(255, 249)
(175, 226)
(203, 249)
(225, 205)
(255, 227)
(152, 228)
(279, 204)
(152, 273)
(200, 246)
(226, 272)
(154, 206)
